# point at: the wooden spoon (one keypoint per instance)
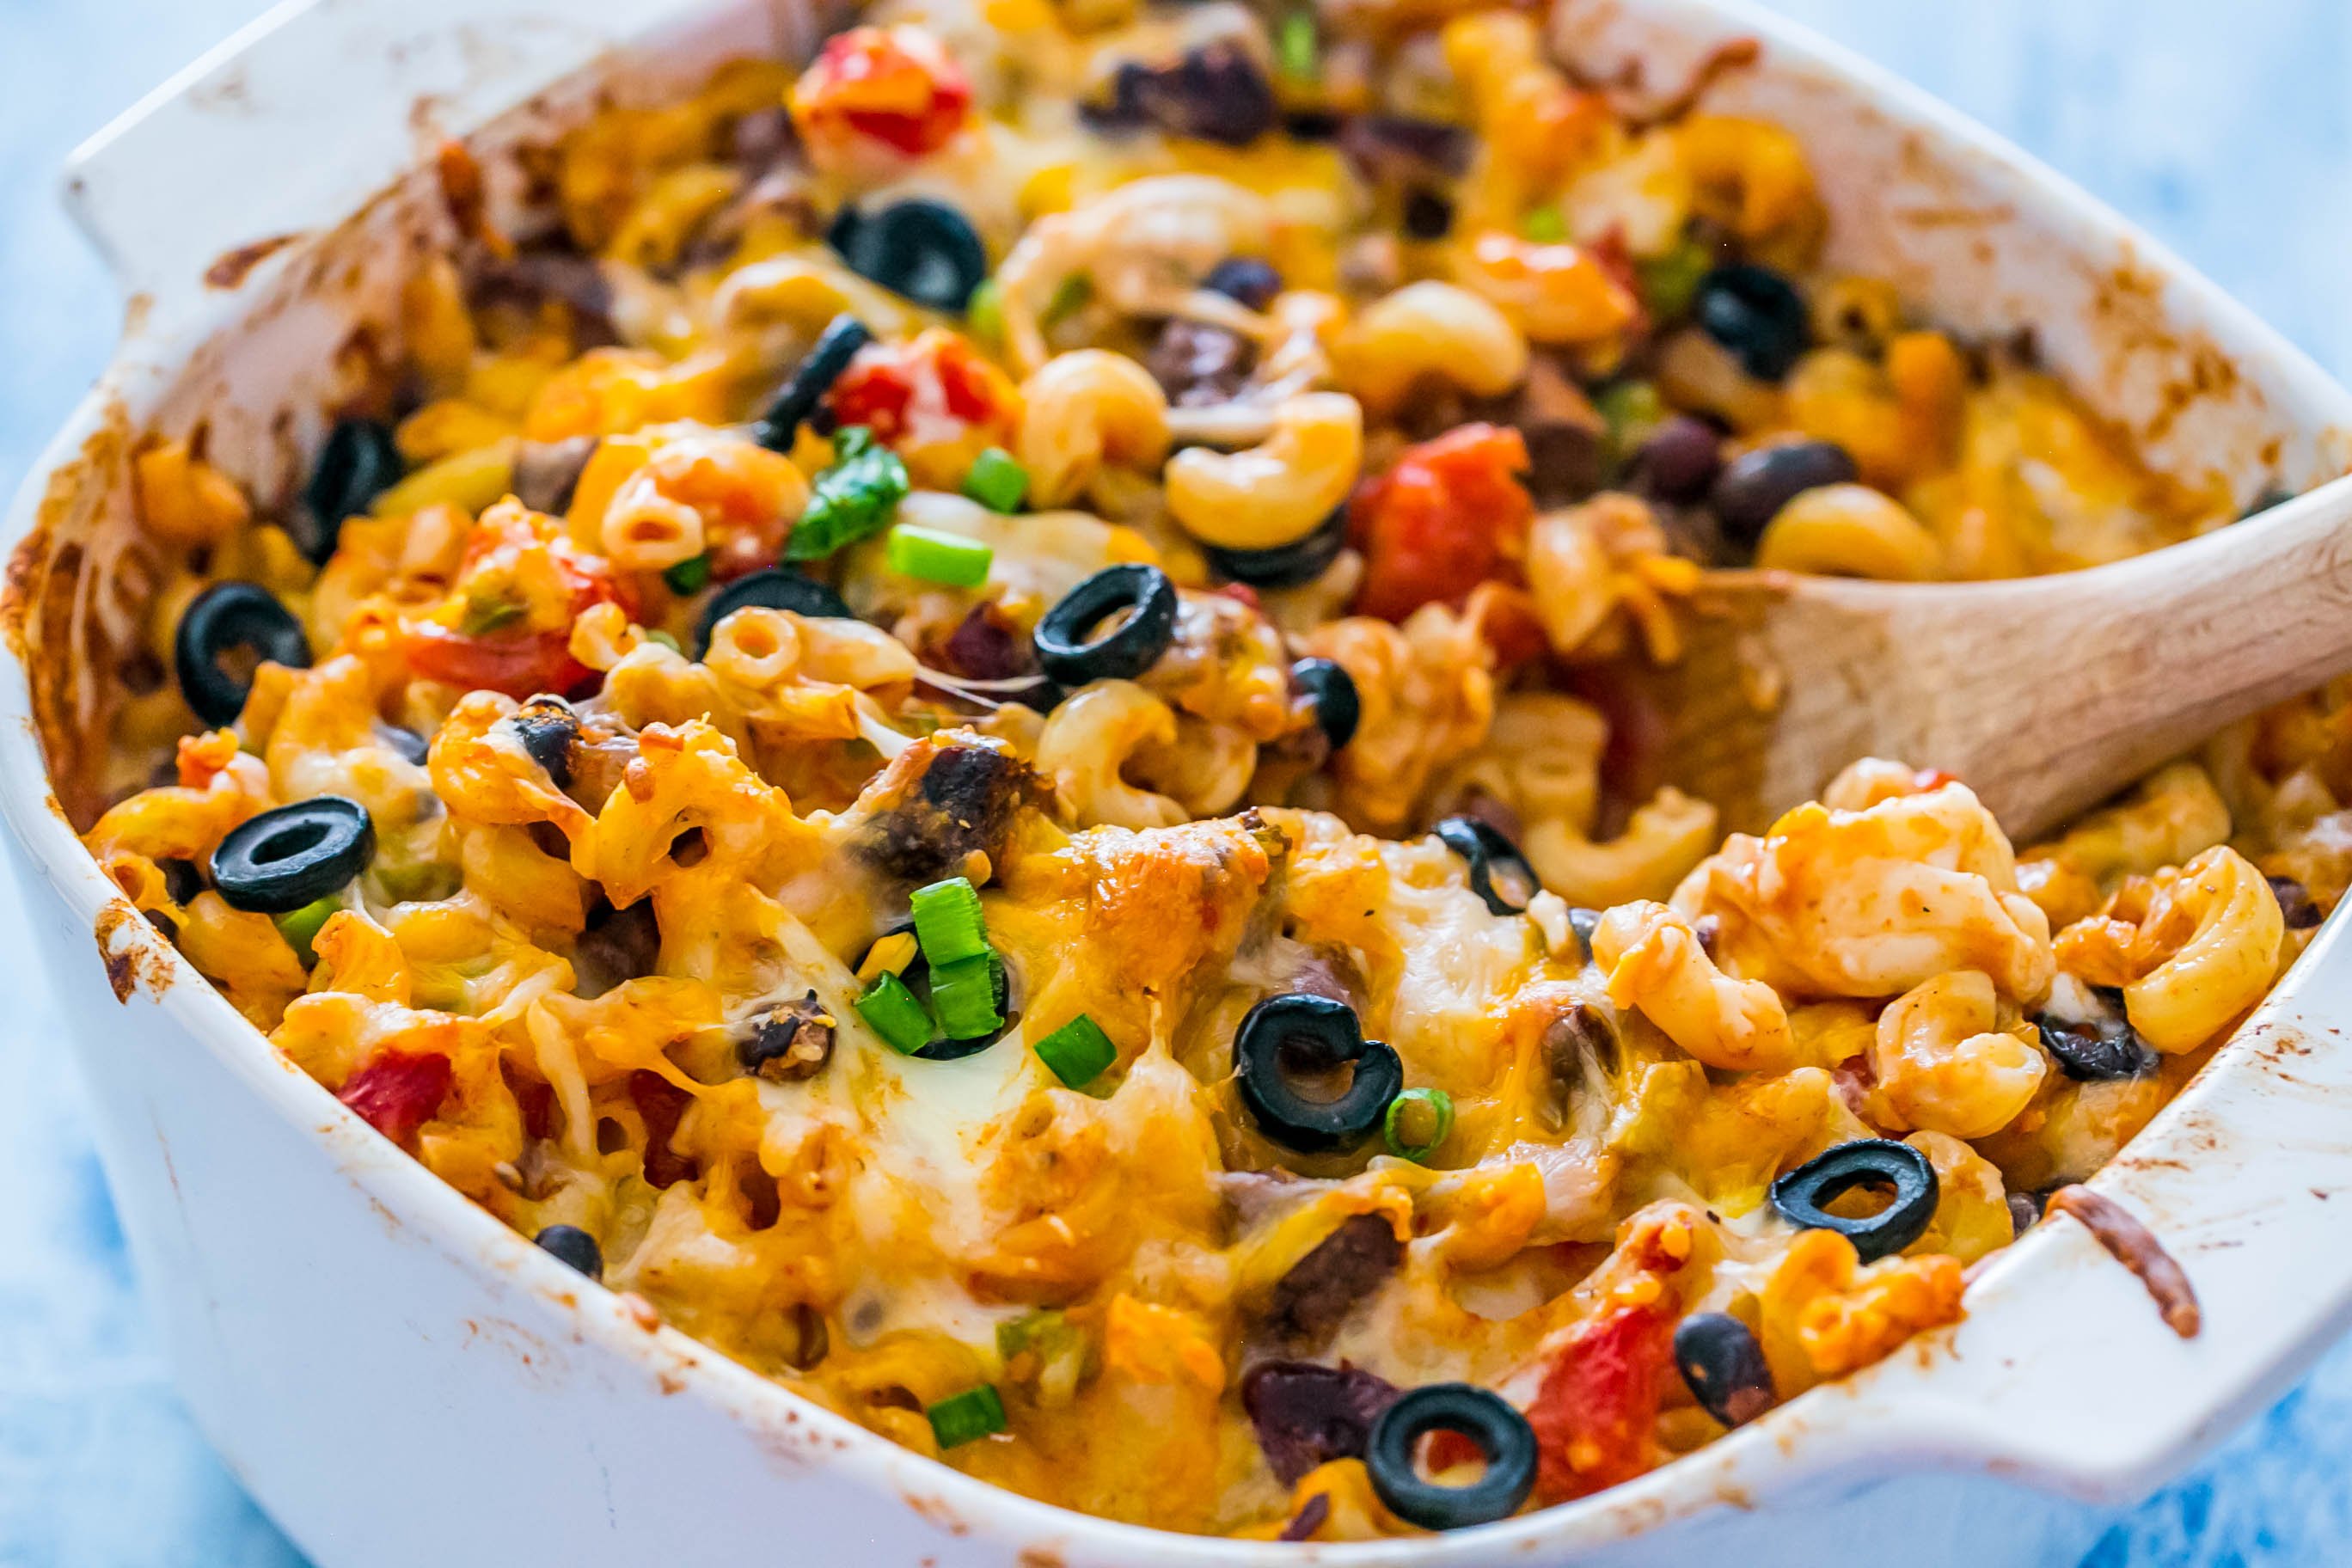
(2045, 695)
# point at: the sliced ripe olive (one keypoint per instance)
(1319, 1035)
(810, 381)
(570, 1244)
(1802, 1195)
(916, 977)
(777, 588)
(1486, 852)
(294, 855)
(1501, 1435)
(2096, 1051)
(921, 248)
(224, 617)
(548, 729)
(1725, 1367)
(358, 464)
(1756, 315)
(1332, 690)
(1069, 651)
(1246, 279)
(1284, 565)
(1755, 485)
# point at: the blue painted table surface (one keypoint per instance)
(2225, 128)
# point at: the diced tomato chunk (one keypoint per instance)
(895, 86)
(1595, 1417)
(935, 400)
(1451, 514)
(510, 647)
(397, 1092)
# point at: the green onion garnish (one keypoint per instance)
(937, 556)
(896, 1014)
(853, 499)
(997, 481)
(1069, 297)
(299, 926)
(964, 996)
(1436, 1120)
(1545, 226)
(1630, 409)
(984, 312)
(688, 576)
(486, 614)
(1296, 46)
(1670, 282)
(948, 921)
(654, 634)
(1077, 1052)
(974, 1413)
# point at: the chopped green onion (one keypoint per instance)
(1296, 46)
(1069, 300)
(935, 555)
(654, 634)
(853, 499)
(984, 313)
(1670, 282)
(974, 1413)
(1631, 409)
(964, 996)
(299, 926)
(997, 481)
(948, 921)
(1077, 1052)
(1545, 226)
(488, 613)
(688, 576)
(896, 1014)
(1046, 1350)
(1437, 1121)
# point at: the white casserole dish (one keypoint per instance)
(399, 1378)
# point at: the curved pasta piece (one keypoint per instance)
(1942, 1063)
(1654, 962)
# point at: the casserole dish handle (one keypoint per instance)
(192, 192)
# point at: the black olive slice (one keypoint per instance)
(1284, 565)
(923, 249)
(358, 463)
(1067, 648)
(1756, 315)
(1486, 851)
(810, 381)
(778, 588)
(223, 618)
(1320, 1034)
(1332, 690)
(1500, 1433)
(294, 855)
(1801, 1196)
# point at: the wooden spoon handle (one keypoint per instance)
(2116, 668)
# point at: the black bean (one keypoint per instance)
(1398, 149)
(358, 464)
(1680, 460)
(550, 732)
(1067, 645)
(1724, 1366)
(1584, 923)
(222, 619)
(1427, 215)
(1332, 691)
(810, 381)
(1566, 436)
(1286, 565)
(570, 1244)
(1579, 1033)
(1758, 317)
(2025, 1211)
(1216, 93)
(1755, 485)
(985, 647)
(1486, 852)
(1307, 1415)
(182, 880)
(1200, 364)
(547, 472)
(2296, 906)
(921, 248)
(1800, 1195)
(1500, 1433)
(1315, 1296)
(1246, 279)
(2096, 1050)
(1318, 1035)
(619, 946)
(778, 588)
(290, 855)
(786, 1041)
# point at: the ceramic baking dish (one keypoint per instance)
(398, 1378)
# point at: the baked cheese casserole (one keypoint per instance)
(949, 710)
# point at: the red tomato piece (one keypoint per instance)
(1451, 514)
(912, 388)
(397, 1092)
(895, 86)
(1595, 1417)
(514, 659)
